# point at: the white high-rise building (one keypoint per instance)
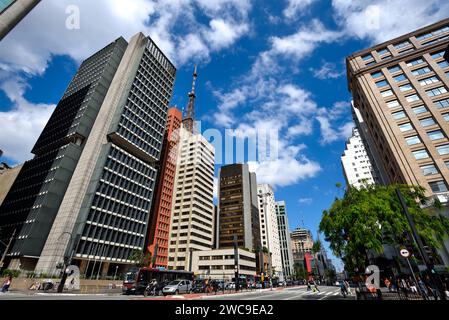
(192, 222)
(269, 232)
(357, 167)
(284, 239)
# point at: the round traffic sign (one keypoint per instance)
(405, 253)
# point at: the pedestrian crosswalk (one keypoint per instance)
(316, 295)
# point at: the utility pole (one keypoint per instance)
(7, 248)
(236, 263)
(430, 267)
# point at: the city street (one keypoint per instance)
(295, 293)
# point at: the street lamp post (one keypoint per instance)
(236, 263)
(115, 273)
(430, 267)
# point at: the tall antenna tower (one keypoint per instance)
(189, 117)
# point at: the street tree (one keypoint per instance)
(364, 219)
(141, 259)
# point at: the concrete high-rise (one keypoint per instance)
(302, 243)
(193, 211)
(357, 167)
(88, 191)
(401, 89)
(238, 208)
(7, 177)
(284, 239)
(12, 12)
(159, 223)
(269, 231)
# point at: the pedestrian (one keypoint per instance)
(431, 289)
(412, 286)
(422, 288)
(344, 290)
(308, 286)
(347, 286)
(6, 284)
(315, 287)
(387, 284)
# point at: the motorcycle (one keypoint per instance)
(151, 289)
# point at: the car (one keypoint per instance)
(178, 286)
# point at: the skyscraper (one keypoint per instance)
(357, 167)
(401, 89)
(302, 243)
(284, 239)
(159, 224)
(93, 175)
(193, 213)
(12, 12)
(269, 231)
(238, 208)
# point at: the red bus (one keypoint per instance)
(136, 280)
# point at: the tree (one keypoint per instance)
(366, 218)
(299, 271)
(317, 246)
(140, 258)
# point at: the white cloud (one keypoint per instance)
(21, 126)
(305, 200)
(327, 71)
(222, 34)
(296, 7)
(382, 20)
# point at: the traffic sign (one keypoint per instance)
(405, 253)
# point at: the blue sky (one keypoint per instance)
(262, 64)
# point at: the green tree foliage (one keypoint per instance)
(140, 258)
(317, 246)
(366, 219)
(299, 271)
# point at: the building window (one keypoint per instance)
(438, 186)
(421, 71)
(428, 81)
(399, 115)
(405, 127)
(443, 150)
(393, 104)
(442, 103)
(383, 51)
(387, 93)
(420, 154)
(412, 140)
(427, 122)
(433, 33)
(447, 164)
(429, 170)
(394, 69)
(415, 62)
(367, 57)
(446, 116)
(406, 87)
(419, 110)
(438, 55)
(436, 92)
(443, 64)
(381, 84)
(376, 75)
(402, 44)
(412, 98)
(435, 135)
(399, 78)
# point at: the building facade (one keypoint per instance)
(269, 231)
(109, 128)
(302, 243)
(12, 12)
(238, 208)
(357, 167)
(219, 264)
(284, 240)
(7, 177)
(401, 89)
(159, 223)
(192, 223)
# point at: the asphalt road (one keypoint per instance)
(295, 293)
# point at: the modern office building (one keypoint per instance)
(302, 243)
(238, 208)
(7, 177)
(193, 211)
(401, 89)
(219, 264)
(269, 231)
(87, 192)
(357, 168)
(284, 239)
(12, 12)
(159, 223)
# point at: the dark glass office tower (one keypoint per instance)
(33, 201)
(103, 216)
